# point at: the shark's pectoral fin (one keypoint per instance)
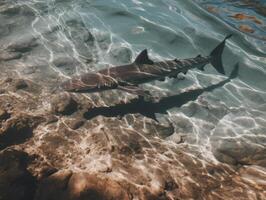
(135, 90)
(143, 58)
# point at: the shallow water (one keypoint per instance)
(50, 40)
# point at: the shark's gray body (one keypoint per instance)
(142, 70)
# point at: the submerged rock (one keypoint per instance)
(6, 56)
(56, 184)
(87, 186)
(51, 119)
(238, 152)
(21, 84)
(66, 185)
(121, 55)
(18, 129)
(16, 182)
(4, 114)
(17, 10)
(64, 104)
(14, 85)
(75, 124)
(22, 45)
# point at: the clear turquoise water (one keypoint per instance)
(76, 36)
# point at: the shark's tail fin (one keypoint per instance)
(216, 56)
(234, 72)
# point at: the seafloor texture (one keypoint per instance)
(204, 137)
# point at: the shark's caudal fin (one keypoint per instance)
(234, 72)
(216, 56)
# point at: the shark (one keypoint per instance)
(129, 77)
(151, 108)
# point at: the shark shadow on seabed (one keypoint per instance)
(149, 108)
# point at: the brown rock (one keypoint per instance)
(254, 174)
(21, 84)
(75, 124)
(46, 171)
(17, 129)
(64, 104)
(8, 80)
(238, 152)
(246, 28)
(16, 183)
(64, 185)
(56, 184)
(163, 130)
(242, 16)
(212, 9)
(86, 186)
(4, 114)
(6, 56)
(51, 119)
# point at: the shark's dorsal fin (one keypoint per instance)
(198, 56)
(143, 58)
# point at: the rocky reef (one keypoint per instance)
(53, 152)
